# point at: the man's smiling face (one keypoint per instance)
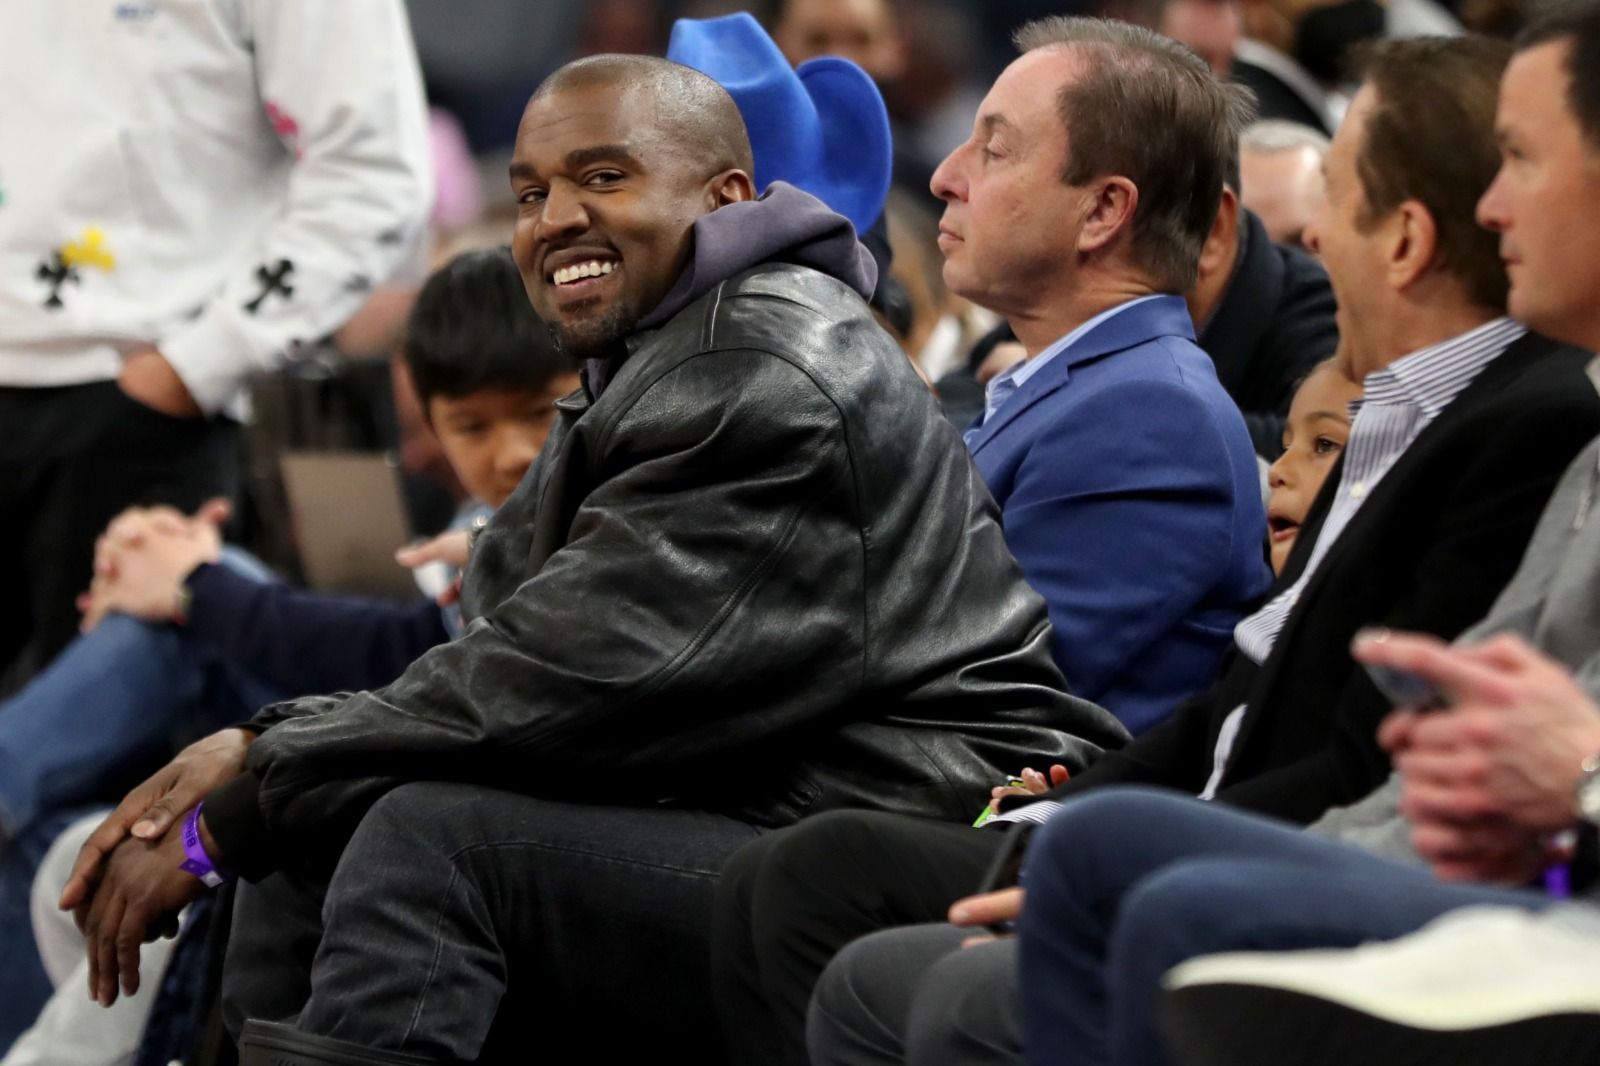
(606, 205)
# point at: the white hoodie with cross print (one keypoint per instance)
(219, 178)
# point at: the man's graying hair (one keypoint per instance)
(1148, 109)
(1280, 135)
(703, 119)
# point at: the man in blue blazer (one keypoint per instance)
(1131, 498)
(1125, 473)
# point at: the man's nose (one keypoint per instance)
(948, 181)
(1491, 209)
(564, 211)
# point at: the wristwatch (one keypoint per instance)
(1588, 790)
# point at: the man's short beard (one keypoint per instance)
(593, 338)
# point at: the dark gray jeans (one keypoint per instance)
(914, 996)
(471, 924)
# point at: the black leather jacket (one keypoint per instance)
(758, 575)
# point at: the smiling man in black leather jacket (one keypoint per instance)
(753, 575)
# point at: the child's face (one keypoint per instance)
(492, 436)
(1316, 432)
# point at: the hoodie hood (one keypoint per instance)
(786, 225)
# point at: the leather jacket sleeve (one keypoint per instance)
(650, 640)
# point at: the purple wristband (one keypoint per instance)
(198, 862)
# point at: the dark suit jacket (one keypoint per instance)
(1130, 496)
(1275, 322)
(1429, 551)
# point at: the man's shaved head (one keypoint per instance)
(699, 115)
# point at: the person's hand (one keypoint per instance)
(149, 379)
(150, 811)
(128, 530)
(143, 559)
(989, 908)
(452, 549)
(1488, 780)
(1511, 743)
(1033, 784)
(132, 528)
(1484, 850)
(137, 898)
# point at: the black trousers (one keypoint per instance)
(791, 900)
(71, 459)
(474, 925)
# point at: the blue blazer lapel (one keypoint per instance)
(1165, 316)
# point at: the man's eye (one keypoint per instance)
(1327, 446)
(603, 177)
(531, 196)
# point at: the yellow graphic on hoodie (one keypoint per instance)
(89, 250)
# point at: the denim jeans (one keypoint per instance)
(1125, 883)
(104, 714)
(478, 925)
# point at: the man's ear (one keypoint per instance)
(1222, 243)
(1108, 214)
(730, 187)
(1413, 243)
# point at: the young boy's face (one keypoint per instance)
(492, 436)
(1313, 438)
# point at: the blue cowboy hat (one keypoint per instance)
(822, 127)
